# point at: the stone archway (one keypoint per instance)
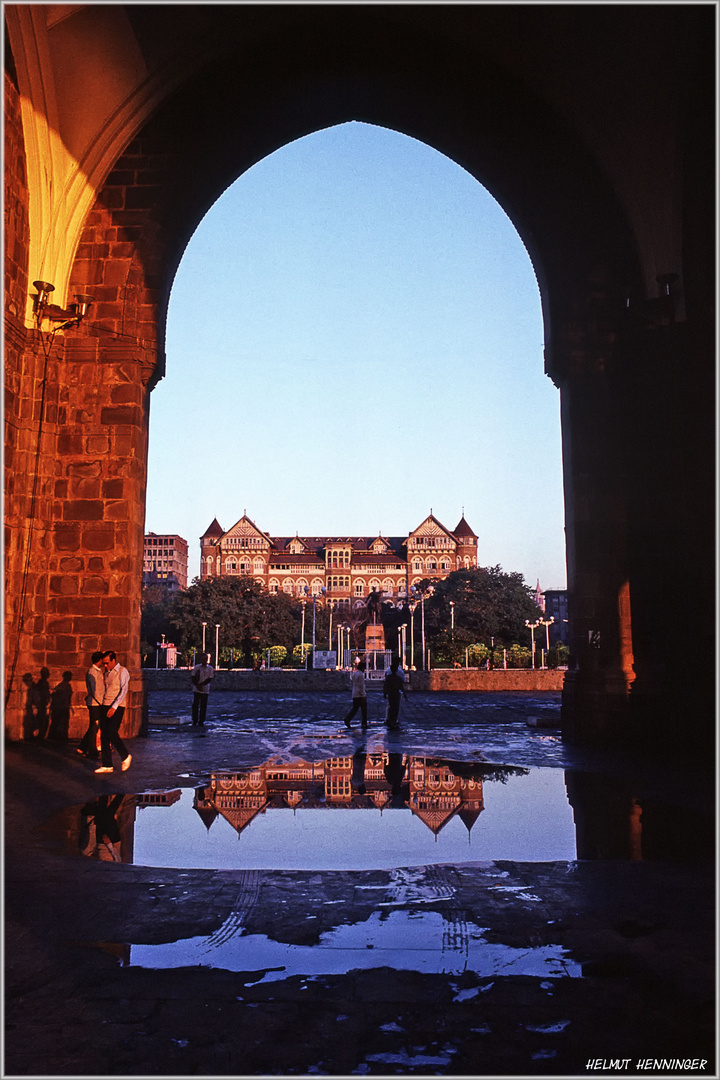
(247, 82)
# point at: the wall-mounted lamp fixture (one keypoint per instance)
(44, 288)
(73, 314)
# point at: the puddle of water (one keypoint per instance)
(362, 812)
(425, 942)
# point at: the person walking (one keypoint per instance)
(201, 677)
(393, 687)
(95, 683)
(112, 710)
(359, 697)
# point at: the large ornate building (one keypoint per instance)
(344, 569)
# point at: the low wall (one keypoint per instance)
(445, 680)
(514, 680)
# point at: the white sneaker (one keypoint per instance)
(104, 768)
(126, 763)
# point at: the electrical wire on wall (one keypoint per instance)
(46, 345)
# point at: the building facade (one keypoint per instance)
(165, 561)
(556, 605)
(343, 569)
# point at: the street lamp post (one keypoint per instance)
(547, 624)
(412, 604)
(423, 593)
(204, 626)
(452, 620)
(532, 627)
(302, 634)
(217, 631)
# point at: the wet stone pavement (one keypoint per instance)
(305, 944)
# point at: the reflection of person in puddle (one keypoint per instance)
(100, 813)
(395, 774)
(358, 770)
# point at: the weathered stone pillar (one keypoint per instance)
(81, 591)
(597, 684)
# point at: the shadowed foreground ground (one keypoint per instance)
(635, 978)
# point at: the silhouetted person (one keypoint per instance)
(60, 702)
(359, 697)
(30, 721)
(393, 687)
(42, 693)
(95, 683)
(201, 677)
(117, 683)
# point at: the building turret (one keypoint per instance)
(467, 546)
(209, 551)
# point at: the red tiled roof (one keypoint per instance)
(214, 529)
(463, 529)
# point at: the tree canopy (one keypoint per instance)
(251, 620)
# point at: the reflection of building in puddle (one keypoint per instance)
(435, 790)
(427, 942)
(157, 798)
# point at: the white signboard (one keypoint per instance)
(324, 659)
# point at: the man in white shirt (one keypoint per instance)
(359, 697)
(201, 678)
(117, 682)
(95, 683)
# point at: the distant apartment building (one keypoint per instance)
(556, 605)
(165, 561)
(343, 569)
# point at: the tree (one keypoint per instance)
(250, 618)
(156, 606)
(490, 605)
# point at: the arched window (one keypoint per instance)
(445, 564)
(316, 587)
(388, 585)
(245, 567)
(300, 586)
(374, 584)
(417, 566)
(431, 563)
(359, 587)
(288, 586)
(258, 566)
(273, 586)
(231, 565)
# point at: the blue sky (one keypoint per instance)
(355, 338)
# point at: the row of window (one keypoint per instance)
(246, 542)
(424, 542)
